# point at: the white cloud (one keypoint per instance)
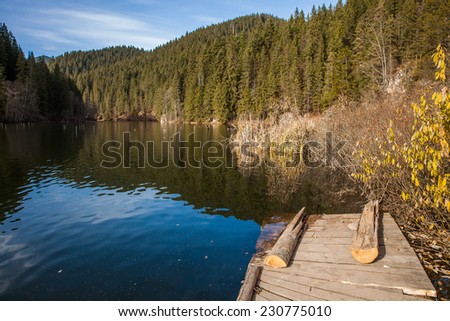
(94, 29)
(48, 36)
(102, 20)
(207, 19)
(144, 2)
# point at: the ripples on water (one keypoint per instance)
(71, 230)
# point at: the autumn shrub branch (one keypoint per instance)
(414, 169)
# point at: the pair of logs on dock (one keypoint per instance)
(281, 253)
(364, 247)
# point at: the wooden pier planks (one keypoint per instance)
(322, 267)
(251, 278)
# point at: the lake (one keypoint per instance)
(74, 228)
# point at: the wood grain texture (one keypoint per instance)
(364, 247)
(281, 253)
(322, 267)
(251, 277)
(269, 296)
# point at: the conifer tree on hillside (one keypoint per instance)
(257, 64)
(28, 88)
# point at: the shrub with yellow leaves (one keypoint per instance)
(417, 170)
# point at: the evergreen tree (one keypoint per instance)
(33, 88)
(2, 93)
(21, 68)
(337, 69)
(407, 30)
(41, 80)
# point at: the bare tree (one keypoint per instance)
(373, 45)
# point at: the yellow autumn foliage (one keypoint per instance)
(421, 164)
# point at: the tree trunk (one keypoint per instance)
(281, 253)
(364, 247)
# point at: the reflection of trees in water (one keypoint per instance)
(207, 188)
(25, 153)
(327, 190)
(280, 151)
(271, 228)
(73, 152)
(320, 190)
(283, 182)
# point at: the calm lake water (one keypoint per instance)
(71, 229)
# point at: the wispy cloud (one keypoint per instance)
(207, 19)
(48, 36)
(144, 2)
(95, 28)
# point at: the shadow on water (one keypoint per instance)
(31, 146)
(72, 229)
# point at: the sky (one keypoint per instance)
(52, 27)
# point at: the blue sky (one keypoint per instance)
(52, 27)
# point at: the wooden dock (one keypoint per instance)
(322, 267)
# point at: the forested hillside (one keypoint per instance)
(260, 64)
(29, 90)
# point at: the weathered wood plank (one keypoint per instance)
(251, 277)
(363, 293)
(325, 241)
(376, 267)
(328, 233)
(386, 254)
(269, 296)
(344, 227)
(330, 220)
(409, 284)
(341, 248)
(339, 257)
(261, 298)
(339, 216)
(316, 292)
(319, 239)
(390, 234)
(293, 295)
(342, 218)
(283, 249)
(367, 280)
(389, 222)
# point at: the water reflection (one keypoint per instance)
(73, 152)
(71, 229)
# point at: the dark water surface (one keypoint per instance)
(73, 230)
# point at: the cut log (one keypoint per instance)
(364, 247)
(281, 253)
(251, 277)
